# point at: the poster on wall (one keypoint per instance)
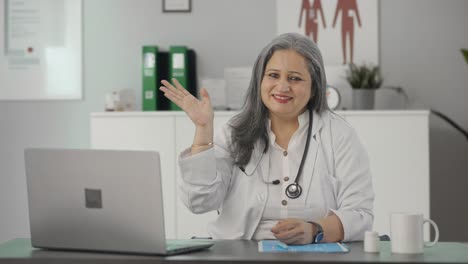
(40, 49)
(346, 31)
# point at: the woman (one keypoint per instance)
(285, 167)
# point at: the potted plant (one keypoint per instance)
(364, 79)
(465, 54)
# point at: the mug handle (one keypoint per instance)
(436, 229)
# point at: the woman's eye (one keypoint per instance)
(273, 75)
(293, 78)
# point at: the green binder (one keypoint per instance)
(178, 68)
(150, 78)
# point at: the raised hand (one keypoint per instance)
(199, 111)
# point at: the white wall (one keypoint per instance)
(420, 42)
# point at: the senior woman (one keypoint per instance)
(285, 167)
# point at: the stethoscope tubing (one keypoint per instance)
(294, 190)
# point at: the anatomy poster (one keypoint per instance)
(346, 31)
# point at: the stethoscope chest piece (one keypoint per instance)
(293, 190)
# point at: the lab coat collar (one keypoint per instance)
(258, 159)
(304, 121)
(317, 122)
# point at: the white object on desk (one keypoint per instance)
(371, 242)
(406, 232)
(397, 143)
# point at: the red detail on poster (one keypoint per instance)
(311, 16)
(347, 24)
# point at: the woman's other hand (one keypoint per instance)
(199, 111)
(294, 231)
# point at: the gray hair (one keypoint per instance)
(250, 124)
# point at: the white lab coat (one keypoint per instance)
(340, 182)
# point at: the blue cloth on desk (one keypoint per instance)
(277, 246)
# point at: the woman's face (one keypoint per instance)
(286, 84)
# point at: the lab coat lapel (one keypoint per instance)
(259, 160)
(265, 165)
(310, 164)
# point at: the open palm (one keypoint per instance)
(199, 111)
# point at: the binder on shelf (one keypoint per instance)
(162, 103)
(182, 66)
(150, 78)
(192, 85)
(155, 69)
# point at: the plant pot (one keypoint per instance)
(363, 99)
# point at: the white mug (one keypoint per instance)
(406, 232)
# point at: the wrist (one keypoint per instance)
(203, 144)
(203, 135)
(317, 232)
(206, 126)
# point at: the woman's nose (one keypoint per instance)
(284, 86)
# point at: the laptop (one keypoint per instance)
(99, 200)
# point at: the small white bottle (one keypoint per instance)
(371, 242)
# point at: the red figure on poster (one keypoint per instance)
(311, 15)
(347, 24)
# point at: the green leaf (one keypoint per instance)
(364, 76)
(465, 54)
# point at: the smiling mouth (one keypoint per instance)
(282, 98)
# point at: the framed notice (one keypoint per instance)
(40, 49)
(177, 6)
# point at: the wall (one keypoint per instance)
(420, 42)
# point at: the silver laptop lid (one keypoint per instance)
(106, 200)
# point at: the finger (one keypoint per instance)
(279, 228)
(290, 233)
(294, 240)
(205, 96)
(165, 90)
(290, 240)
(174, 99)
(283, 226)
(180, 87)
(172, 88)
(276, 229)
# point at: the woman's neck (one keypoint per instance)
(283, 129)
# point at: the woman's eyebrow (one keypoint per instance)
(295, 72)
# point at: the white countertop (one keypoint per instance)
(229, 113)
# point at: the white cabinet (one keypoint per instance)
(397, 143)
(398, 146)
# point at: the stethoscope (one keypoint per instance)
(294, 190)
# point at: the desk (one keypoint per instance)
(235, 251)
